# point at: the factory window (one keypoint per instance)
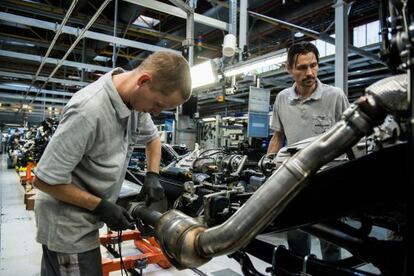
(324, 48)
(367, 34)
(330, 48)
(146, 21)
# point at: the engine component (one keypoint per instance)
(190, 244)
(267, 164)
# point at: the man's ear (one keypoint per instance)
(143, 78)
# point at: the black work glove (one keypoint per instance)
(116, 217)
(152, 190)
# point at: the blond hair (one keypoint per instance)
(171, 73)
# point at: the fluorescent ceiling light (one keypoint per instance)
(17, 43)
(209, 119)
(74, 77)
(16, 84)
(275, 60)
(146, 21)
(298, 34)
(203, 74)
(102, 58)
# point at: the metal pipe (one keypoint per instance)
(84, 30)
(115, 23)
(244, 25)
(83, 72)
(190, 33)
(385, 255)
(145, 214)
(233, 18)
(189, 244)
(282, 187)
(52, 44)
(341, 45)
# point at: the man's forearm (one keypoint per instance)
(272, 147)
(275, 143)
(69, 193)
(153, 153)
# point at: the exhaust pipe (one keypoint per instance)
(188, 243)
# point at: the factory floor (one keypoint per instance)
(21, 255)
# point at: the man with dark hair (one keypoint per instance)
(305, 110)
(82, 169)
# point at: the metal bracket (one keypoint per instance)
(188, 42)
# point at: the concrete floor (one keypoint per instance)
(20, 254)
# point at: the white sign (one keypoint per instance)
(259, 99)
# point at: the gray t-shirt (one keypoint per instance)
(299, 119)
(91, 149)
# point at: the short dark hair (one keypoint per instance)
(301, 48)
(171, 73)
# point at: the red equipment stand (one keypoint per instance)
(26, 179)
(151, 252)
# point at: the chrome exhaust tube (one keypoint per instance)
(189, 244)
(274, 195)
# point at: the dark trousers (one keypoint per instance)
(62, 264)
(300, 243)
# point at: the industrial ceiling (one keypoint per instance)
(139, 27)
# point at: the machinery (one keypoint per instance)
(34, 143)
(189, 242)
(371, 187)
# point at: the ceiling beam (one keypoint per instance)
(40, 99)
(75, 31)
(56, 13)
(16, 104)
(17, 55)
(11, 38)
(172, 10)
(30, 77)
(34, 89)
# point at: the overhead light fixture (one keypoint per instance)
(254, 65)
(298, 34)
(17, 43)
(102, 58)
(229, 45)
(203, 74)
(209, 119)
(25, 106)
(146, 21)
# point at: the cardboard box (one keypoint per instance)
(28, 194)
(30, 202)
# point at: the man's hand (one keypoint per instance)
(152, 190)
(116, 217)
